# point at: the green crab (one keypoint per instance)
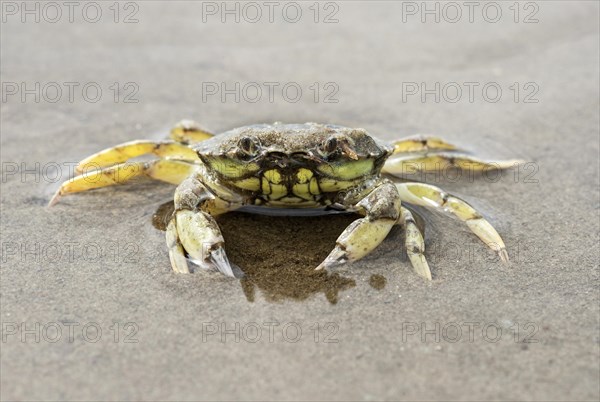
(289, 166)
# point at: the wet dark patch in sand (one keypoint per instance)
(279, 254)
(377, 281)
(160, 219)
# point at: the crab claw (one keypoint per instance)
(202, 240)
(337, 257)
(360, 238)
(216, 259)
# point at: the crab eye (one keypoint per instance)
(248, 146)
(330, 146)
(336, 147)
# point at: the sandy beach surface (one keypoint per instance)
(91, 309)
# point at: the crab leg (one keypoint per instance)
(184, 133)
(439, 161)
(170, 171)
(362, 236)
(434, 197)
(415, 246)
(176, 251)
(123, 152)
(420, 143)
(194, 231)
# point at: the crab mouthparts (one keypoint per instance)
(283, 160)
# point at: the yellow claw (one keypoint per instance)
(123, 152)
(363, 235)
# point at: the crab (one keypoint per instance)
(290, 167)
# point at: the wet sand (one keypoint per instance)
(92, 311)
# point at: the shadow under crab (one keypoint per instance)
(278, 253)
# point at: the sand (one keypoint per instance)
(92, 311)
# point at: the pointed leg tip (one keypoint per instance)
(55, 198)
(504, 256)
(219, 259)
(179, 263)
(326, 264)
(427, 275)
(338, 256)
(182, 270)
(421, 267)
